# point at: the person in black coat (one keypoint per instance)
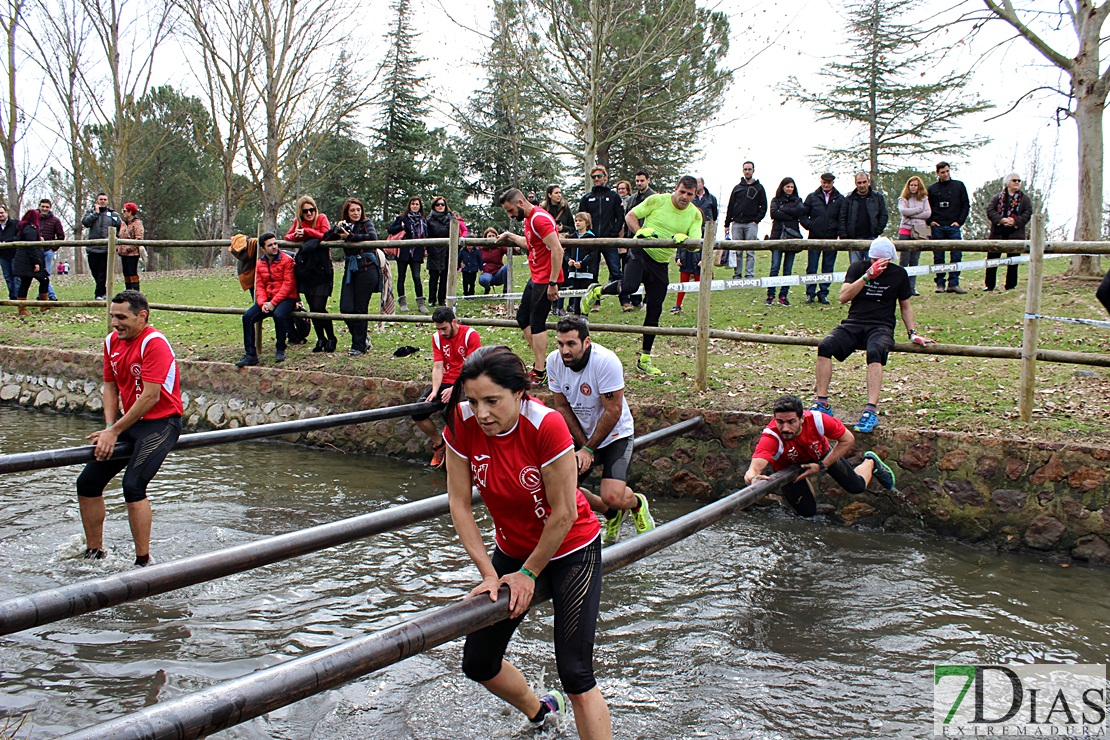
(787, 209)
(439, 227)
(30, 261)
(362, 272)
(607, 213)
(415, 226)
(821, 218)
(863, 214)
(9, 231)
(1009, 213)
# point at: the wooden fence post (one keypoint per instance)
(709, 239)
(109, 270)
(509, 280)
(452, 265)
(1030, 326)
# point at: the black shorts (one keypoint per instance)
(614, 459)
(440, 404)
(799, 494)
(847, 338)
(575, 581)
(534, 308)
(152, 441)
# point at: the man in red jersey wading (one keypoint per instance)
(797, 436)
(545, 261)
(452, 343)
(141, 380)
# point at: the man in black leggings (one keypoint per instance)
(140, 379)
(669, 217)
(798, 436)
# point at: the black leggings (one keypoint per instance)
(400, 284)
(25, 284)
(575, 581)
(358, 288)
(325, 330)
(800, 496)
(437, 287)
(643, 270)
(992, 273)
(153, 440)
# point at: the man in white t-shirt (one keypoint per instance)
(587, 381)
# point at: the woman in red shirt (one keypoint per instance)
(520, 455)
(315, 275)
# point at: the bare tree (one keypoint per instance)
(59, 37)
(265, 56)
(617, 69)
(1086, 99)
(10, 19)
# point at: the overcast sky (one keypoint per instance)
(779, 136)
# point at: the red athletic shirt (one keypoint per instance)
(148, 358)
(538, 224)
(454, 351)
(506, 468)
(810, 446)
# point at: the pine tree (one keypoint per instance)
(504, 141)
(899, 121)
(402, 138)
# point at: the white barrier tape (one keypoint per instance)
(1069, 320)
(792, 280)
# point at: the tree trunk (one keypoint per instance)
(1089, 109)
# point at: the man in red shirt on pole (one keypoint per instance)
(451, 345)
(545, 260)
(798, 436)
(141, 379)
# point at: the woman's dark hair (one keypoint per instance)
(419, 200)
(498, 363)
(347, 205)
(782, 187)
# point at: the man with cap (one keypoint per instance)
(821, 219)
(873, 286)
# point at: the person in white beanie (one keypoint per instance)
(873, 286)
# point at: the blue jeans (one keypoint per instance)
(282, 324)
(827, 262)
(909, 259)
(946, 232)
(786, 261)
(6, 258)
(49, 253)
(489, 279)
(613, 263)
(745, 260)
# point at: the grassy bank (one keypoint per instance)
(966, 394)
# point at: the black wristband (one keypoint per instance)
(821, 465)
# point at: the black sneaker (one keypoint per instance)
(95, 553)
(279, 356)
(770, 301)
(823, 300)
(247, 360)
(811, 299)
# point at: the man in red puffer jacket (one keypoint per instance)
(275, 294)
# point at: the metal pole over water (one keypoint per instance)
(233, 702)
(52, 605)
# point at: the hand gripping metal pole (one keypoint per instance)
(233, 702)
(51, 605)
(75, 455)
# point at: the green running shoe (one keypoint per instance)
(642, 518)
(882, 472)
(645, 366)
(611, 529)
(593, 295)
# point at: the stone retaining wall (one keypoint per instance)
(1006, 494)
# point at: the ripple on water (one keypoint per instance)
(762, 627)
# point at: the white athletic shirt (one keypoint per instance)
(602, 374)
